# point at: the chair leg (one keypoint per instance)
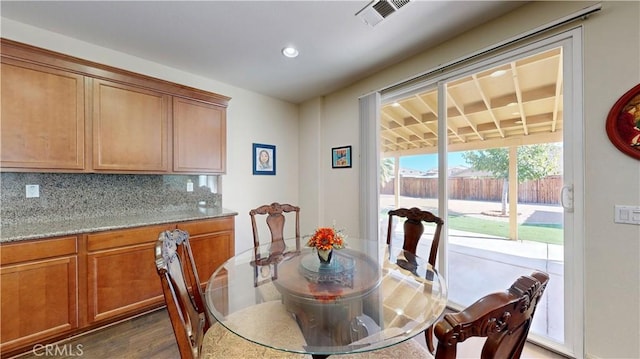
(428, 335)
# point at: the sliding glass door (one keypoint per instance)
(504, 216)
(495, 150)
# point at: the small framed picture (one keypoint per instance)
(264, 159)
(341, 157)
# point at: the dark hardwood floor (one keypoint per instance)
(147, 336)
(150, 336)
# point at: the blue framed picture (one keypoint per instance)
(264, 159)
(341, 157)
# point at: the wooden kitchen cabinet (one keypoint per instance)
(121, 275)
(199, 137)
(43, 118)
(212, 243)
(130, 128)
(64, 114)
(53, 288)
(39, 287)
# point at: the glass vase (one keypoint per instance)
(325, 257)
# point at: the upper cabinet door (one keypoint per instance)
(199, 137)
(43, 118)
(130, 128)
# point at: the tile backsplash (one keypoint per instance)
(76, 196)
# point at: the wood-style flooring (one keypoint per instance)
(145, 337)
(150, 336)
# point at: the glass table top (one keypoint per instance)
(370, 296)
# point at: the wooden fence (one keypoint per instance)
(543, 191)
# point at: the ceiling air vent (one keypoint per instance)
(399, 3)
(384, 8)
(378, 10)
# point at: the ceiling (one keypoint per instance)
(523, 105)
(239, 42)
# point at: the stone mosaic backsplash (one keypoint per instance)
(76, 196)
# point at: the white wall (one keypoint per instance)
(310, 165)
(251, 117)
(611, 67)
(612, 273)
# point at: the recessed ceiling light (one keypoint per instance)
(290, 52)
(395, 104)
(498, 73)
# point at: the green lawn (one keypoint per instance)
(551, 234)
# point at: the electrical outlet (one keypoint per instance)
(33, 191)
(189, 186)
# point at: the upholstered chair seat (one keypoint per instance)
(409, 349)
(220, 342)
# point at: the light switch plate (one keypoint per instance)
(627, 214)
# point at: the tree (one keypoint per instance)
(534, 162)
(386, 170)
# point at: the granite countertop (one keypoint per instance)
(18, 232)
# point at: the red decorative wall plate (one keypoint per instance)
(623, 123)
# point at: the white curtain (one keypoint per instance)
(369, 165)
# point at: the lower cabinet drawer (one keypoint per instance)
(207, 226)
(124, 237)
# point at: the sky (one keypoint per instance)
(427, 162)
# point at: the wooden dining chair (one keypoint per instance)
(266, 269)
(195, 334)
(413, 230)
(503, 318)
(275, 221)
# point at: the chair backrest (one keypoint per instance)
(275, 221)
(182, 292)
(414, 228)
(504, 318)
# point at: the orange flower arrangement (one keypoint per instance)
(325, 239)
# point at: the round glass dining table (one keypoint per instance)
(369, 296)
